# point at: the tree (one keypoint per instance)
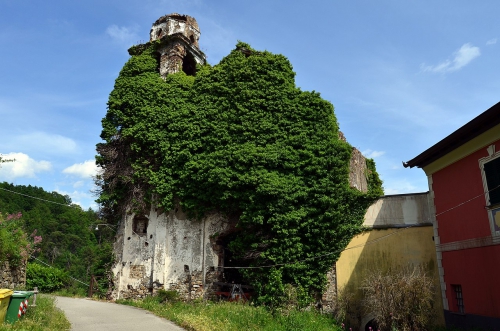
(15, 245)
(70, 240)
(242, 139)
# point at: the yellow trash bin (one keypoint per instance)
(5, 295)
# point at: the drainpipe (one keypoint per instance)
(203, 254)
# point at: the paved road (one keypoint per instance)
(88, 315)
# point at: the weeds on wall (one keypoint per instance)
(400, 298)
(242, 139)
(348, 309)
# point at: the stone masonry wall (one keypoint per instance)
(12, 277)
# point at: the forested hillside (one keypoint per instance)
(70, 240)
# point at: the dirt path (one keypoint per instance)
(88, 315)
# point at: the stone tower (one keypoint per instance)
(178, 50)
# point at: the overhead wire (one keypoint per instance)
(370, 242)
(54, 202)
(30, 196)
(48, 265)
(309, 258)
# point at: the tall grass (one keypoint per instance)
(225, 316)
(44, 317)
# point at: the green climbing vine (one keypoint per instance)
(240, 138)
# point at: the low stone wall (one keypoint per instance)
(12, 277)
(189, 287)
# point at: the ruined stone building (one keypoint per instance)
(165, 249)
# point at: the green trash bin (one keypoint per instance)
(5, 295)
(18, 306)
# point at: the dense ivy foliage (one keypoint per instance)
(242, 139)
(70, 241)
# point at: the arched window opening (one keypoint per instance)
(189, 65)
(159, 33)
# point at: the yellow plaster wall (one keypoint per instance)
(399, 247)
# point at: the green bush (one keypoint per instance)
(14, 243)
(167, 296)
(47, 279)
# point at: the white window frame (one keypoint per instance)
(492, 155)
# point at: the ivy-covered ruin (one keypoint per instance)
(238, 138)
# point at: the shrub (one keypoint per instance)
(167, 296)
(15, 245)
(400, 298)
(48, 279)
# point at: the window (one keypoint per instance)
(490, 171)
(492, 174)
(140, 225)
(459, 300)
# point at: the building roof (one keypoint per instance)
(474, 128)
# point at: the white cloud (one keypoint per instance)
(37, 142)
(23, 166)
(78, 184)
(86, 169)
(372, 154)
(461, 58)
(491, 41)
(123, 34)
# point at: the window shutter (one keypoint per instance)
(492, 172)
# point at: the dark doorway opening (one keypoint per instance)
(227, 258)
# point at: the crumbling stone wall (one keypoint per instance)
(329, 296)
(357, 169)
(12, 277)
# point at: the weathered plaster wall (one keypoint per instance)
(174, 23)
(12, 277)
(175, 253)
(399, 211)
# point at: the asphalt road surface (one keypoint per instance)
(88, 315)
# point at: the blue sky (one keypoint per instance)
(401, 74)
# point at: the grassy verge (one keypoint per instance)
(44, 317)
(225, 316)
(74, 292)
